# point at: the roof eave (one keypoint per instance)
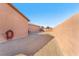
(18, 11)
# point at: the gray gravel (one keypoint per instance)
(27, 46)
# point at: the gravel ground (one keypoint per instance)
(27, 46)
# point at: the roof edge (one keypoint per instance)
(18, 11)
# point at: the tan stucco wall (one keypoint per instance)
(12, 20)
(34, 28)
(66, 39)
(67, 36)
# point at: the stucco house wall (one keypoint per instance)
(34, 28)
(12, 19)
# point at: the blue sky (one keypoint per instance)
(47, 14)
